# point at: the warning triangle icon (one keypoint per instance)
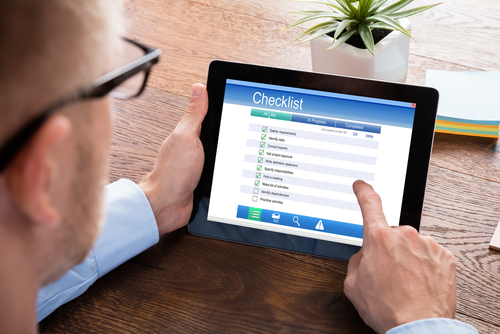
(319, 226)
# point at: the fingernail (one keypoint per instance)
(196, 90)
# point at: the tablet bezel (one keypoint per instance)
(426, 100)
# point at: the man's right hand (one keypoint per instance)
(398, 276)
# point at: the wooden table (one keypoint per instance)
(197, 285)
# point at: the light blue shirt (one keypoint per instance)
(434, 326)
(130, 229)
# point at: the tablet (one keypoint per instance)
(283, 148)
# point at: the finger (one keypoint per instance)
(196, 110)
(371, 209)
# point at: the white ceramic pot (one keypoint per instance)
(389, 62)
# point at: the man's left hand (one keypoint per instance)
(169, 187)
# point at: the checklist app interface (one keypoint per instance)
(287, 158)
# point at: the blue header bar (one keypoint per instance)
(331, 105)
(319, 93)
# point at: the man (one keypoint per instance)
(51, 188)
(59, 59)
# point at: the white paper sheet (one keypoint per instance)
(467, 95)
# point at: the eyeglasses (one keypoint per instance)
(125, 82)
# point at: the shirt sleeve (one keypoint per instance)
(434, 326)
(130, 229)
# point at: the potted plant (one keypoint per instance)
(370, 40)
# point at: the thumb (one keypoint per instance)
(196, 110)
(352, 272)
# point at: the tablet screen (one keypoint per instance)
(287, 157)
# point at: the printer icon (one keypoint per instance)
(276, 217)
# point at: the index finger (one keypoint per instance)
(371, 209)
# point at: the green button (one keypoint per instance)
(271, 114)
(254, 213)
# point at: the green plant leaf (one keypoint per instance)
(375, 6)
(344, 5)
(325, 25)
(364, 7)
(349, 7)
(344, 24)
(411, 12)
(319, 33)
(391, 22)
(367, 37)
(310, 17)
(380, 25)
(319, 26)
(394, 7)
(342, 10)
(341, 40)
(310, 12)
(353, 9)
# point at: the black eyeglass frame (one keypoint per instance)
(99, 88)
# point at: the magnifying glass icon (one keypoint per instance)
(296, 220)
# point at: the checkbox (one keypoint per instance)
(261, 152)
(257, 175)
(257, 182)
(262, 144)
(264, 129)
(259, 167)
(254, 198)
(255, 190)
(259, 160)
(263, 137)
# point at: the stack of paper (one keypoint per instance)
(468, 102)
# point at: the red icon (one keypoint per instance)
(413, 105)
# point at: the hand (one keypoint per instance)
(398, 276)
(169, 187)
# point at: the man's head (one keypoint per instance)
(50, 194)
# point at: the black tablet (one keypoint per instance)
(283, 148)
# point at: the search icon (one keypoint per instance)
(296, 220)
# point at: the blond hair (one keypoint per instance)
(51, 48)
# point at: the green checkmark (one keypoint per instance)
(257, 183)
(260, 160)
(262, 143)
(259, 167)
(263, 137)
(257, 175)
(264, 129)
(261, 152)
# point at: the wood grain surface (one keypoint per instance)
(495, 240)
(188, 284)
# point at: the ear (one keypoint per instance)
(31, 174)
